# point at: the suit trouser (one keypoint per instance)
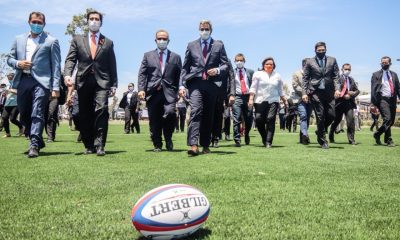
(240, 110)
(135, 122)
(387, 107)
(375, 122)
(32, 101)
(324, 108)
(180, 119)
(203, 95)
(93, 113)
(52, 118)
(265, 120)
(161, 118)
(10, 113)
(345, 108)
(131, 114)
(216, 133)
(227, 120)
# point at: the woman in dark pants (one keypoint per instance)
(10, 111)
(265, 92)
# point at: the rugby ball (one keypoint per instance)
(170, 212)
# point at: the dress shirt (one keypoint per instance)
(97, 34)
(164, 59)
(266, 88)
(385, 90)
(238, 89)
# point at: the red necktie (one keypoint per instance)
(93, 46)
(344, 87)
(242, 82)
(204, 76)
(390, 83)
(161, 59)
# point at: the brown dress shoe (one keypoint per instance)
(206, 150)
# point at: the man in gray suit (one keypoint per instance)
(36, 58)
(96, 81)
(320, 85)
(205, 60)
(158, 80)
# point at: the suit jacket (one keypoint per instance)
(376, 86)
(314, 74)
(103, 66)
(46, 60)
(150, 75)
(353, 88)
(194, 64)
(249, 73)
(133, 101)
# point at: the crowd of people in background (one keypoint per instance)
(203, 91)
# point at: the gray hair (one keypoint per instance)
(206, 22)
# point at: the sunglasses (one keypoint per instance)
(165, 39)
(204, 29)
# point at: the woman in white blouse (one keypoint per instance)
(265, 91)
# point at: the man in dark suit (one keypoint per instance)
(385, 89)
(239, 98)
(205, 60)
(158, 80)
(37, 60)
(320, 84)
(345, 104)
(96, 81)
(129, 103)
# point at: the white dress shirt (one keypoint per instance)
(238, 89)
(164, 59)
(267, 88)
(385, 90)
(90, 38)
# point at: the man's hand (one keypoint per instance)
(212, 72)
(250, 103)
(112, 92)
(68, 81)
(55, 94)
(182, 92)
(347, 96)
(337, 94)
(24, 64)
(304, 98)
(231, 100)
(141, 95)
(351, 93)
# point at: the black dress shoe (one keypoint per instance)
(237, 144)
(324, 146)
(157, 149)
(206, 150)
(89, 151)
(377, 138)
(100, 151)
(169, 145)
(193, 151)
(33, 152)
(247, 139)
(305, 139)
(331, 137)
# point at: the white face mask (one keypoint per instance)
(346, 73)
(162, 44)
(239, 64)
(94, 26)
(205, 35)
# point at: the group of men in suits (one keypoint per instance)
(206, 74)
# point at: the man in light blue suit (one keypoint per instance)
(36, 58)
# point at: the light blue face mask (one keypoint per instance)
(37, 28)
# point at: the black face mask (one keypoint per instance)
(320, 55)
(385, 66)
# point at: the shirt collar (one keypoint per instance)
(208, 41)
(165, 51)
(38, 36)
(97, 34)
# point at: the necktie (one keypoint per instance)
(161, 59)
(204, 76)
(344, 88)
(242, 82)
(93, 46)
(390, 83)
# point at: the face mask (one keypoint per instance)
(94, 26)
(239, 64)
(130, 89)
(36, 28)
(346, 73)
(162, 44)
(320, 55)
(385, 66)
(205, 35)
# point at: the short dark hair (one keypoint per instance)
(162, 30)
(37, 14)
(240, 55)
(131, 84)
(94, 12)
(320, 44)
(267, 59)
(303, 62)
(206, 22)
(386, 57)
(346, 64)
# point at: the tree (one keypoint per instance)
(78, 25)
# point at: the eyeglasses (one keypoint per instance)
(37, 22)
(165, 39)
(204, 29)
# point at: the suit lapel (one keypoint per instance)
(41, 41)
(86, 44)
(156, 58)
(24, 42)
(100, 44)
(167, 62)
(200, 50)
(209, 50)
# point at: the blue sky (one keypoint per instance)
(358, 32)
